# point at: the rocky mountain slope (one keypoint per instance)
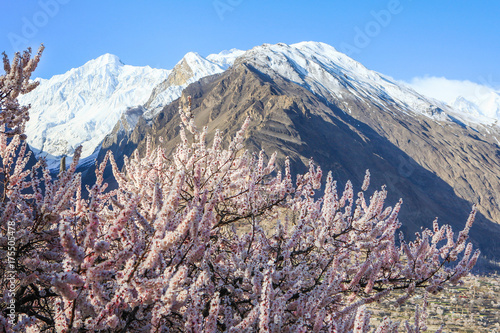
(306, 100)
(348, 119)
(461, 151)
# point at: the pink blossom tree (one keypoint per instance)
(208, 239)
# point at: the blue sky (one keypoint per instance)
(456, 39)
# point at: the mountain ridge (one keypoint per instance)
(309, 100)
(293, 121)
(90, 108)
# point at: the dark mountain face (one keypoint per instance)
(436, 169)
(460, 155)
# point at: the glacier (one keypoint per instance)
(81, 106)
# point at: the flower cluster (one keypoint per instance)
(208, 239)
(16, 81)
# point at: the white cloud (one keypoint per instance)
(484, 99)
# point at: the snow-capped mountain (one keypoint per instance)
(477, 103)
(81, 106)
(225, 59)
(190, 69)
(333, 75)
(485, 110)
(307, 100)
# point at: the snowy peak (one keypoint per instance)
(486, 107)
(104, 60)
(225, 59)
(212, 64)
(190, 69)
(340, 79)
(107, 63)
(192, 66)
(476, 103)
(81, 106)
(466, 106)
(305, 56)
(329, 56)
